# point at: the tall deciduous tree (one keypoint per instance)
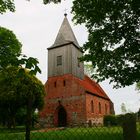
(114, 38)
(26, 86)
(18, 89)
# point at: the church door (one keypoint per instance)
(62, 117)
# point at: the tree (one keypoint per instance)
(19, 89)
(114, 38)
(7, 5)
(10, 48)
(11, 59)
(49, 1)
(10, 53)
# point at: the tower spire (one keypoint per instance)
(65, 34)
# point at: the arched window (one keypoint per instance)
(105, 108)
(55, 84)
(92, 106)
(64, 83)
(99, 107)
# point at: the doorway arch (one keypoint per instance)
(62, 117)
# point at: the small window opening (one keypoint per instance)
(64, 83)
(59, 60)
(55, 84)
(92, 107)
(99, 107)
(105, 108)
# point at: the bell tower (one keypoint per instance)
(64, 54)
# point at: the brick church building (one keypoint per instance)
(71, 97)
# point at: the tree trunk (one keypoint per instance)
(28, 119)
(13, 122)
(9, 122)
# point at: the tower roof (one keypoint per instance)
(65, 35)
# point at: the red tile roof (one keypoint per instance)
(92, 87)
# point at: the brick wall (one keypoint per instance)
(93, 112)
(63, 90)
(68, 92)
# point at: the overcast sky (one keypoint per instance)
(36, 26)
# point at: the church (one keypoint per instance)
(72, 98)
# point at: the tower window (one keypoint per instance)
(92, 107)
(59, 60)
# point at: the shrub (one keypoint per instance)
(113, 120)
(110, 120)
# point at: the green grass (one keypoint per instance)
(15, 130)
(99, 133)
(82, 134)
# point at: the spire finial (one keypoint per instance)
(65, 14)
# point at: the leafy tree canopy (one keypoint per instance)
(49, 1)
(7, 5)
(18, 86)
(10, 47)
(8, 39)
(10, 53)
(114, 38)
(88, 69)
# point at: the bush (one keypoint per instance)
(110, 120)
(113, 120)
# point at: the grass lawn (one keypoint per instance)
(99, 133)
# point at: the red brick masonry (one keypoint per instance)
(70, 100)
